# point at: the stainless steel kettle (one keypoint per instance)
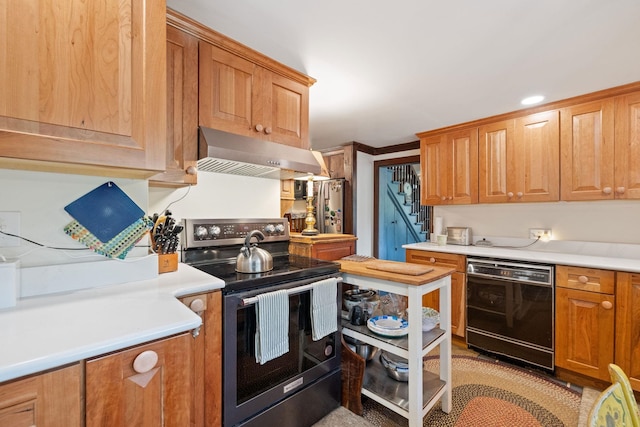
(251, 258)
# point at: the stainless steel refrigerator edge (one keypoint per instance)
(329, 205)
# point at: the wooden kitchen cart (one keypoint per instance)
(422, 386)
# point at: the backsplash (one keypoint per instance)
(40, 198)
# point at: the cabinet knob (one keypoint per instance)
(443, 198)
(259, 128)
(197, 305)
(145, 361)
(432, 260)
(509, 194)
(583, 279)
(192, 170)
(620, 190)
(268, 130)
(607, 305)
(519, 194)
(606, 190)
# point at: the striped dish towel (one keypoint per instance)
(324, 308)
(272, 329)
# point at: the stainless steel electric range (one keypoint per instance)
(278, 392)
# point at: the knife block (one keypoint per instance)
(167, 262)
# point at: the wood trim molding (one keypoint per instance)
(202, 32)
(376, 198)
(581, 99)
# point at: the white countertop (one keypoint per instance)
(609, 256)
(45, 332)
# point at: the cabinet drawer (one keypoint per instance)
(459, 262)
(586, 279)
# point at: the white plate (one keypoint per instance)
(390, 326)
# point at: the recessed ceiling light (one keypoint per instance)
(532, 100)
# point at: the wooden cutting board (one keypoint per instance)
(399, 267)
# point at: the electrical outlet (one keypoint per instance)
(9, 223)
(540, 233)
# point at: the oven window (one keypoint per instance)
(304, 353)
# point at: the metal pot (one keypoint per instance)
(396, 367)
(353, 297)
(252, 259)
(362, 349)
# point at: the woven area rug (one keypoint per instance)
(488, 393)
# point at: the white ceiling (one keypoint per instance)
(386, 70)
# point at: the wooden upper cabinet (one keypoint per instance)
(239, 96)
(519, 159)
(149, 385)
(182, 111)
(83, 84)
(627, 147)
(587, 147)
(335, 165)
(285, 110)
(449, 165)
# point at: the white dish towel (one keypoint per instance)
(272, 329)
(324, 308)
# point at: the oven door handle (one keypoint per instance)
(291, 291)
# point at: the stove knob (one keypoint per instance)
(269, 228)
(279, 228)
(214, 230)
(201, 232)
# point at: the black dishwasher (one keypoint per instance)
(510, 310)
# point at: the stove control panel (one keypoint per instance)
(200, 233)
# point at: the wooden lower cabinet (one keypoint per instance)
(328, 247)
(149, 385)
(628, 326)
(458, 285)
(51, 399)
(585, 316)
(206, 347)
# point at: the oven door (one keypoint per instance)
(518, 310)
(514, 318)
(250, 388)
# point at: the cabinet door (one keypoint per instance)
(85, 83)
(226, 90)
(584, 332)
(282, 110)
(627, 147)
(52, 399)
(458, 285)
(182, 110)
(587, 151)
(449, 165)
(433, 161)
(127, 388)
(535, 158)
(335, 165)
(495, 170)
(627, 326)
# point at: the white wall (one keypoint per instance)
(364, 198)
(220, 196)
(596, 221)
(40, 198)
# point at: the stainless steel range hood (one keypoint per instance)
(224, 152)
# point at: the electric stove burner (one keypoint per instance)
(285, 268)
